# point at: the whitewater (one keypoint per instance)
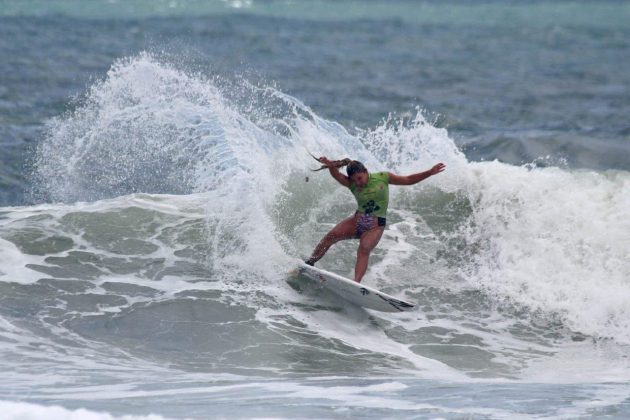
(152, 280)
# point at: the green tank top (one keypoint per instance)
(374, 197)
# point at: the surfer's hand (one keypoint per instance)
(437, 169)
(324, 160)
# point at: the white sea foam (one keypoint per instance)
(28, 411)
(554, 241)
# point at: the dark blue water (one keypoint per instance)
(518, 84)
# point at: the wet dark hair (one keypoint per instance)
(355, 167)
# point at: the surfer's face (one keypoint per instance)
(360, 179)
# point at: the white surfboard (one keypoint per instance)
(354, 292)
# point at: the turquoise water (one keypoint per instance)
(152, 184)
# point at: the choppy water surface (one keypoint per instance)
(155, 203)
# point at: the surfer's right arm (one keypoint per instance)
(334, 171)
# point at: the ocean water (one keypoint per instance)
(155, 195)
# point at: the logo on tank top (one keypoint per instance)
(371, 207)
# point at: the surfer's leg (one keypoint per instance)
(344, 230)
(368, 241)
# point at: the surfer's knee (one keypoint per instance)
(364, 250)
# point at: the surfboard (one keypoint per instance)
(354, 292)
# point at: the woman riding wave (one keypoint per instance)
(371, 191)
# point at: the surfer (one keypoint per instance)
(371, 190)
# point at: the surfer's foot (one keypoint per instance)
(310, 262)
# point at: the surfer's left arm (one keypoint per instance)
(341, 178)
(415, 178)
